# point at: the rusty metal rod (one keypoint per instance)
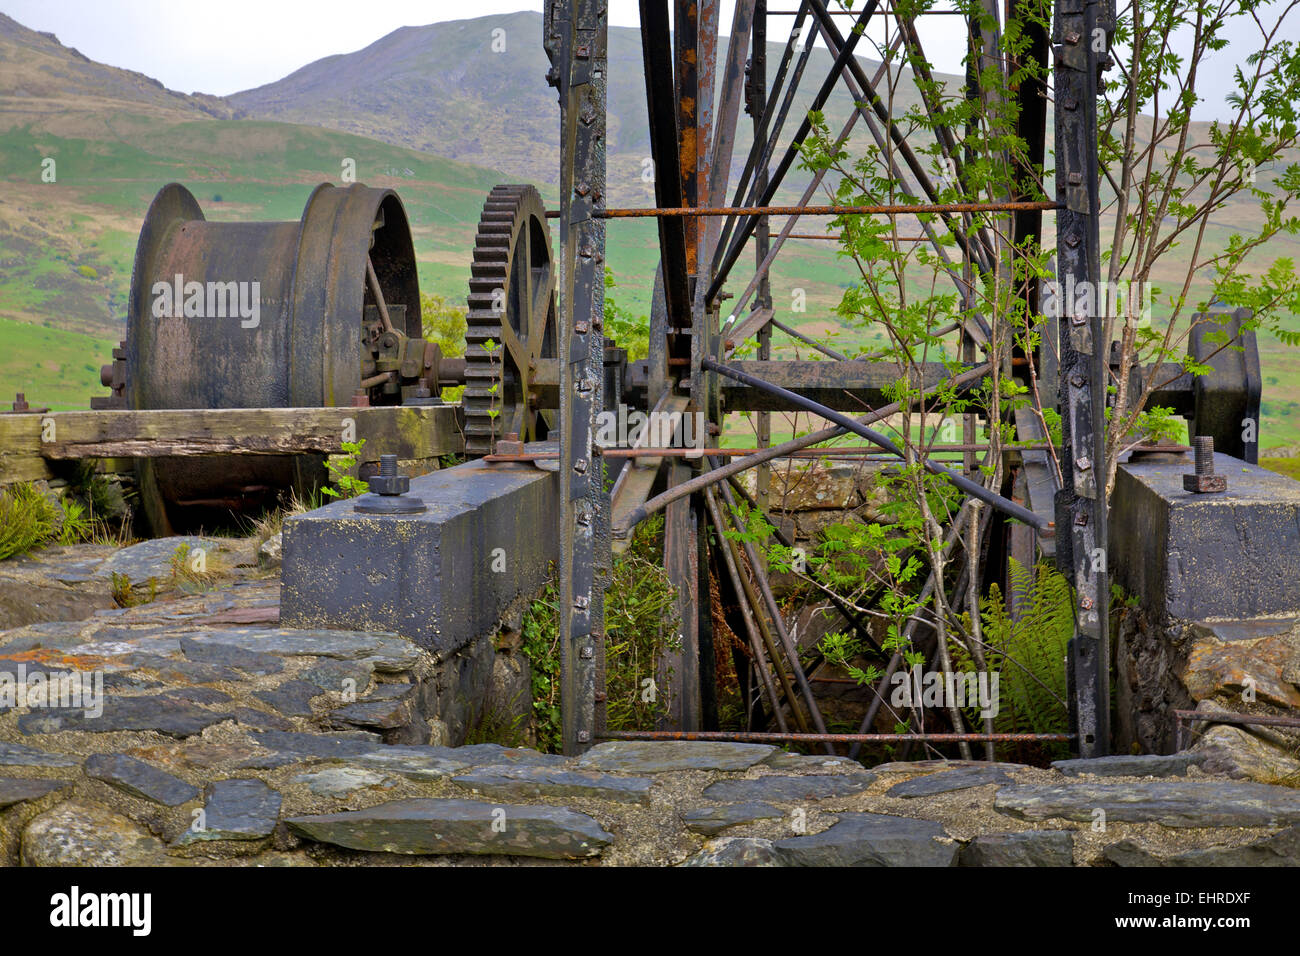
(836, 237)
(825, 350)
(849, 13)
(782, 450)
(894, 209)
(972, 488)
(372, 279)
(746, 603)
(845, 451)
(751, 736)
(949, 541)
(1183, 718)
(774, 614)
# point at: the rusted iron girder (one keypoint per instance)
(580, 29)
(1084, 366)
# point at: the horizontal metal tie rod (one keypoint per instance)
(838, 451)
(849, 13)
(700, 482)
(896, 209)
(755, 736)
(972, 488)
(835, 238)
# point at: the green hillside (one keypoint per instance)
(54, 368)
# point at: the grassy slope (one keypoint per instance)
(55, 368)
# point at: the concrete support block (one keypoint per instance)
(441, 578)
(1192, 557)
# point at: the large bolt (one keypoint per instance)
(1203, 480)
(389, 492)
(1203, 445)
(388, 482)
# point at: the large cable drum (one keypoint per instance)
(267, 314)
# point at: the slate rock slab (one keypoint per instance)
(414, 763)
(948, 781)
(781, 760)
(425, 826)
(380, 714)
(236, 810)
(1280, 849)
(736, 851)
(496, 754)
(393, 656)
(1030, 848)
(871, 839)
(16, 790)
(86, 835)
(198, 695)
(139, 779)
(341, 781)
(292, 698)
(350, 744)
(711, 821)
(150, 559)
(790, 789)
(1131, 765)
(938, 766)
(164, 714)
(260, 719)
(185, 671)
(228, 655)
(433, 763)
(663, 756)
(16, 755)
(294, 643)
(1169, 803)
(332, 675)
(524, 782)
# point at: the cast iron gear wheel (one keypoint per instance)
(512, 304)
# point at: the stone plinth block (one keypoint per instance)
(441, 577)
(1234, 554)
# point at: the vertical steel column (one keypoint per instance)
(681, 671)
(757, 103)
(1081, 503)
(582, 27)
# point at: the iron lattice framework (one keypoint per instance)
(693, 122)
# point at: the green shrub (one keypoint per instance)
(28, 519)
(640, 624)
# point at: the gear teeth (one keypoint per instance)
(503, 212)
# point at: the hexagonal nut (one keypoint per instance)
(1203, 484)
(509, 447)
(390, 484)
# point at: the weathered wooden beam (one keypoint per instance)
(29, 442)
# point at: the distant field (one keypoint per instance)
(53, 367)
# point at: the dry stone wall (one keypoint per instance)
(227, 739)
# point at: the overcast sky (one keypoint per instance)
(230, 45)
